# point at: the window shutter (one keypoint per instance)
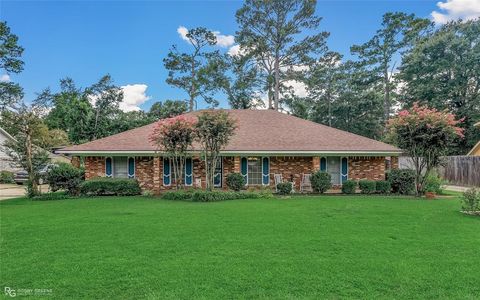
(244, 168)
(188, 171)
(344, 169)
(131, 167)
(166, 171)
(265, 171)
(108, 167)
(323, 164)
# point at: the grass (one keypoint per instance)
(301, 247)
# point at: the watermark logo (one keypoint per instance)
(9, 292)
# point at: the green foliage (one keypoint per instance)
(321, 181)
(64, 176)
(471, 200)
(349, 186)
(148, 193)
(433, 183)
(212, 196)
(284, 188)
(235, 181)
(402, 181)
(383, 187)
(52, 196)
(367, 186)
(110, 187)
(167, 109)
(214, 130)
(6, 177)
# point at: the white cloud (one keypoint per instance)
(299, 88)
(222, 40)
(234, 50)
(456, 9)
(134, 95)
(4, 78)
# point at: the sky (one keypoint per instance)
(85, 40)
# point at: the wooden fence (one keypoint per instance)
(462, 170)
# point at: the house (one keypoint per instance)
(5, 160)
(476, 149)
(265, 143)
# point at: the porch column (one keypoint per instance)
(75, 161)
(236, 164)
(157, 174)
(394, 162)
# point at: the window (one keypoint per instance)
(217, 175)
(254, 173)
(120, 167)
(333, 168)
(188, 172)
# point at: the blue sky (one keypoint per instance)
(87, 39)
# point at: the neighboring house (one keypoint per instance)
(265, 143)
(476, 149)
(5, 161)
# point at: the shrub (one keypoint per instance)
(52, 196)
(6, 177)
(321, 181)
(284, 188)
(383, 187)
(64, 176)
(471, 200)
(235, 181)
(349, 186)
(367, 186)
(110, 186)
(212, 196)
(147, 193)
(433, 183)
(402, 181)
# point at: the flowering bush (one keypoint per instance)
(424, 134)
(175, 136)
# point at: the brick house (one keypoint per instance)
(265, 143)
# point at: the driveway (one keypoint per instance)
(8, 191)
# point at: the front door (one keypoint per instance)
(333, 168)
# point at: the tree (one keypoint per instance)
(23, 151)
(174, 136)
(443, 70)
(274, 32)
(106, 97)
(167, 109)
(10, 63)
(191, 71)
(379, 54)
(213, 130)
(425, 134)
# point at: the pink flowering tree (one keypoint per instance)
(174, 137)
(424, 134)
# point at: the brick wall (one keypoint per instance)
(149, 170)
(371, 168)
(94, 167)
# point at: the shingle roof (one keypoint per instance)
(257, 131)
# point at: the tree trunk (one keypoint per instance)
(277, 80)
(30, 170)
(192, 87)
(386, 99)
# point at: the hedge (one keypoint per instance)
(212, 196)
(367, 186)
(349, 186)
(235, 181)
(321, 181)
(383, 187)
(284, 188)
(402, 180)
(110, 187)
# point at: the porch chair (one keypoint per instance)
(278, 179)
(306, 184)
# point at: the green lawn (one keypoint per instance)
(302, 247)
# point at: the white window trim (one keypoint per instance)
(185, 172)
(268, 174)
(134, 167)
(111, 166)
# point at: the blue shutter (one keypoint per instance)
(244, 168)
(323, 164)
(166, 171)
(131, 167)
(108, 167)
(266, 171)
(188, 171)
(344, 169)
